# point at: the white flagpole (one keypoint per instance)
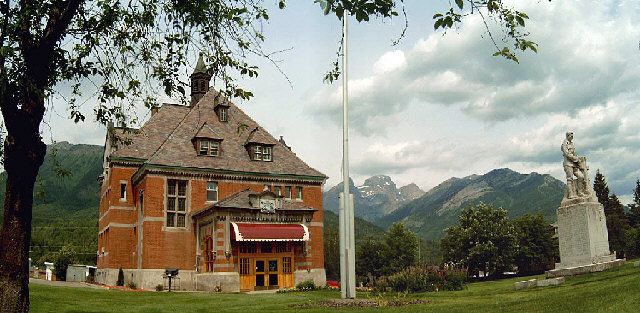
(347, 240)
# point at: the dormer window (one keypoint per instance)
(222, 114)
(208, 147)
(261, 153)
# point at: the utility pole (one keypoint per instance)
(347, 237)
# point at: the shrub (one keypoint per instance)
(132, 285)
(423, 278)
(306, 285)
(120, 281)
(159, 287)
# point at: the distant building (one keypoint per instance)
(204, 189)
(81, 273)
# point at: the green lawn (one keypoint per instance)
(616, 290)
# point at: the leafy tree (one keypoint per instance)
(483, 240)
(632, 242)
(332, 254)
(401, 248)
(371, 258)
(62, 259)
(537, 249)
(122, 49)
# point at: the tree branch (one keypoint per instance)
(60, 17)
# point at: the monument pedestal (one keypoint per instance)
(583, 238)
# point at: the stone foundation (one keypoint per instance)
(597, 267)
(318, 275)
(148, 279)
(226, 281)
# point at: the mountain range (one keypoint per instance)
(66, 200)
(429, 214)
(377, 197)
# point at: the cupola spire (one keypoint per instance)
(199, 81)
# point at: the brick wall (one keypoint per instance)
(164, 247)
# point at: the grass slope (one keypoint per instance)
(616, 290)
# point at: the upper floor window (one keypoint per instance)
(261, 153)
(208, 147)
(222, 114)
(123, 191)
(299, 193)
(212, 191)
(287, 192)
(176, 202)
(278, 190)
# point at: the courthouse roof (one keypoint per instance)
(167, 140)
(240, 200)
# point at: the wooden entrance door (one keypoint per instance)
(209, 255)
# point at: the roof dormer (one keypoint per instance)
(206, 142)
(260, 144)
(222, 111)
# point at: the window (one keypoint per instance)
(176, 202)
(123, 191)
(212, 191)
(266, 154)
(287, 192)
(265, 247)
(222, 114)
(278, 190)
(282, 247)
(299, 193)
(209, 147)
(261, 153)
(286, 265)
(244, 266)
(248, 247)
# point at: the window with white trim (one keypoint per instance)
(287, 192)
(123, 191)
(261, 153)
(208, 147)
(212, 191)
(299, 193)
(176, 203)
(222, 114)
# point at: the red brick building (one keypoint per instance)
(204, 189)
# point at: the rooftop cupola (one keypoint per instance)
(199, 81)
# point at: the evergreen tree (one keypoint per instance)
(617, 225)
(634, 208)
(601, 188)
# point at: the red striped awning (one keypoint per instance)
(270, 232)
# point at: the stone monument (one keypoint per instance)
(582, 226)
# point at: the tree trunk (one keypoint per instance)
(24, 152)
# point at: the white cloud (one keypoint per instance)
(578, 66)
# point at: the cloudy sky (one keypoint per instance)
(439, 105)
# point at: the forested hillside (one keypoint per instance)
(66, 201)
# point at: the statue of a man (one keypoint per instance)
(572, 167)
